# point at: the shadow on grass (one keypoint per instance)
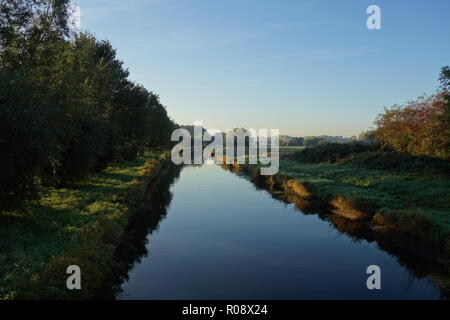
(37, 231)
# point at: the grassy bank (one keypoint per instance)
(413, 202)
(80, 226)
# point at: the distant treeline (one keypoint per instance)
(312, 141)
(67, 105)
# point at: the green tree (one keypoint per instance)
(67, 105)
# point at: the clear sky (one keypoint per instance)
(306, 67)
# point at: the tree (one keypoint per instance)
(67, 106)
(30, 34)
(313, 141)
(420, 127)
(367, 137)
(444, 78)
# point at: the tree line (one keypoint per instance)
(67, 105)
(312, 141)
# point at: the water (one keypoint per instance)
(221, 238)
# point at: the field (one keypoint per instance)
(287, 150)
(79, 226)
(413, 202)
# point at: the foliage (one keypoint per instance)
(420, 127)
(329, 153)
(367, 137)
(67, 106)
(65, 226)
(291, 141)
(444, 79)
(395, 161)
(312, 141)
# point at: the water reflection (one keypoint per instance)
(408, 252)
(225, 238)
(134, 246)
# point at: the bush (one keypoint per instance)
(420, 127)
(329, 153)
(395, 161)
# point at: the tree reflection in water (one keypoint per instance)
(143, 223)
(417, 259)
(154, 208)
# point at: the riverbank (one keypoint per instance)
(81, 226)
(411, 203)
(258, 247)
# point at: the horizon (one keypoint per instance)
(268, 65)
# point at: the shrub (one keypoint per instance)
(330, 153)
(420, 127)
(395, 161)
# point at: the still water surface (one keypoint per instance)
(221, 238)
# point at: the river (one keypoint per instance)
(217, 236)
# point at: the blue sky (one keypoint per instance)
(306, 67)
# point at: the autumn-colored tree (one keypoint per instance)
(419, 127)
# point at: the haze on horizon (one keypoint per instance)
(304, 67)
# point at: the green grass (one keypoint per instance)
(412, 196)
(79, 226)
(406, 196)
(391, 189)
(288, 150)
